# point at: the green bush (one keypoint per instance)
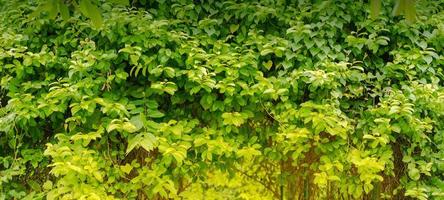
(188, 99)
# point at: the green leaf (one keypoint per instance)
(169, 72)
(248, 153)
(155, 114)
(92, 12)
(234, 118)
(428, 59)
(170, 88)
(414, 174)
(112, 127)
(399, 7)
(207, 101)
(27, 61)
(177, 129)
(375, 8)
(234, 27)
(129, 127)
(137, 121)
(47, 185)
(52, 9)
(266, 52)
(64, 11)
(268, 64)
(121, 2)
(126, 168)
(98, 176)
(199, 142)
(410, 10)
(41, 8)
(179, 156)
(145, 140)
(368, 188)
(83, 7)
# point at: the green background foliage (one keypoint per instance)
(188, 99)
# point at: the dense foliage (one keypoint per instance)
(269, 99)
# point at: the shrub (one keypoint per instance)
(222, 100)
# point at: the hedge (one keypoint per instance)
(187, 99)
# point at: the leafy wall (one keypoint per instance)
(187, 99)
